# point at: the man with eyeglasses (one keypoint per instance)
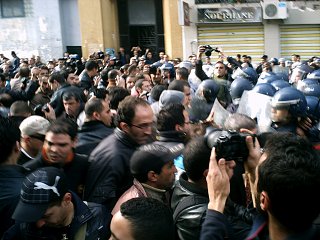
(33, 130)
(109, 173)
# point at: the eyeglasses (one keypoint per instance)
(143, 126)
(39, 137)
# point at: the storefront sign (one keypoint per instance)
(229, 15)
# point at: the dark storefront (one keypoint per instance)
(141, 24)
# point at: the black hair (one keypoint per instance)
(220, 62)
(2, 77)
(43, 67)
(149, 218)
(93, 105)
(112, 74)
(156, 92)
(127, 109)
(139, 83)
(24, 72)
(183, 72)
(68, 95)
(20, 108)
(90, 65)
(100, 93)
(169, 116)
(178, 85)
(64, 126)
(290, 176)
(131, 69)
(116, 95)
(124, 68)
(196, 157)
(10, 135)
(58, 77)
(237, 121)
(6, 100)
(104, 75)
(66, 71)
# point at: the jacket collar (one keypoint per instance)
(125, 138)
(183, 180)
(82, 213)
(172, 136)
(91, 124)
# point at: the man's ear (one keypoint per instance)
(26, 139)
(96, 116)
(178, 128)
(152, 176)
(67, 198)
(124, 127)
(17, 147)
(264, 201)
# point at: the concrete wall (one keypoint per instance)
(172, 30)
(272, 39)
(39, 32)
(99, 25)
(70, 23)
(189, 33)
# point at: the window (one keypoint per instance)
(226, 1)
(12, 8)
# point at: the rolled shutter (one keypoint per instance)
(234, 39)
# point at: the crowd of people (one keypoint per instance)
(138, 146)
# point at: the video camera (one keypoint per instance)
(228, 144)
(208, 50)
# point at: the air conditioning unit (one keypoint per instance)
(273, 9)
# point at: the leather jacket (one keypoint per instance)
(191, 218)
(188, 222)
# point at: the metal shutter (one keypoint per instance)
(300, 39)
(234, 39)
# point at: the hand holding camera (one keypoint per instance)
(218, 183)
(49, 112)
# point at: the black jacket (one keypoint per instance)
(90, 135)
(109, 173)
(86, 81)
(92, 214)
(188, 219)
(22, 95)
(174, 137)
(56, 100)
(75, 170)
(23, 158)
(11, 178)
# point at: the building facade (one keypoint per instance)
(39, 27)
(50, 27)
(244, 27)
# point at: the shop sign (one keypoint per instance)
(229, 15)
